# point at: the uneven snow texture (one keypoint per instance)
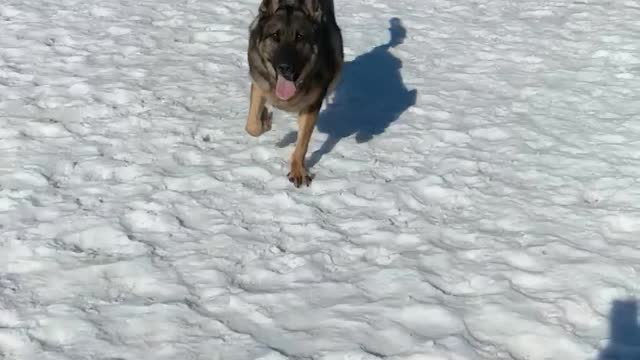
(476, 192)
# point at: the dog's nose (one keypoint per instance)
(286, 70)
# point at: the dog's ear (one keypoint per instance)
(268, 7)
(313, 8)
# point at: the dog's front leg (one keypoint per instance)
(259, 119)
(306, 123)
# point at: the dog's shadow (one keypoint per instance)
(624, 343)
(370, 96)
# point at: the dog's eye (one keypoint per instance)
(276, 37)
(299, 36)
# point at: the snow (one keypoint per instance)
(476, 192)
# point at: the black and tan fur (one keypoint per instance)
(300, 40)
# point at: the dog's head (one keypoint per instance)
(289, 41)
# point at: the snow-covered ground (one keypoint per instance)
(476, 192)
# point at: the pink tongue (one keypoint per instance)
(285, 89)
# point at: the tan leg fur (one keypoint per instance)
(306, 123)
(259, 119)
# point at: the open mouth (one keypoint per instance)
(285, 89)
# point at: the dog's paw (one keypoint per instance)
(253, 130)
(257, 128)
(300, 176)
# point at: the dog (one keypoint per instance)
(295, 57)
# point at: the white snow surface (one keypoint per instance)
(476, 192)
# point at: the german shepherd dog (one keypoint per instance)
(295, 57)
